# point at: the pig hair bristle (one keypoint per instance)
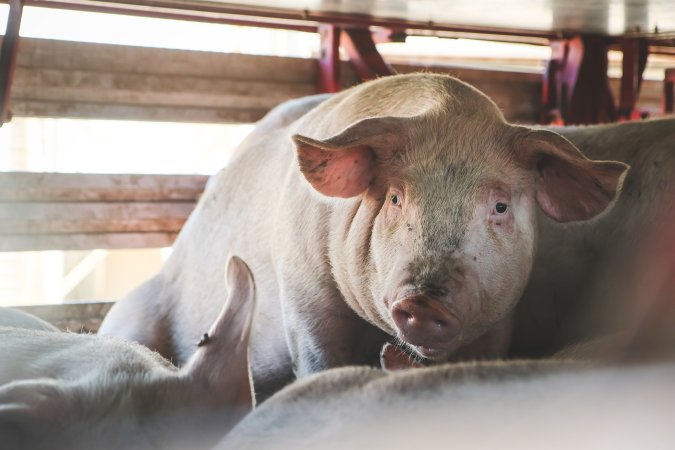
(400, 344)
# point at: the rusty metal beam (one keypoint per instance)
(175, 14)
(280, 14)
(668, 88)
(635, 53)
(576, 88)
(307, 20)
(10, 47)
(359, 45)
(329, 59)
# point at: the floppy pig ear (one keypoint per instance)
(570, 186)
(346, 164)
(221, 362)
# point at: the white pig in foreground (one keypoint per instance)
(527, 405)
(406, 207)
(72, 391)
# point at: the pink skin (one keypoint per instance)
(436, 321)
(438, 245)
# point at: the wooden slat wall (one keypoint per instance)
(73, 79)
(41, 211)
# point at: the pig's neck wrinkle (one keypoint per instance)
(351, 256)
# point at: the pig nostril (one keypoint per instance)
(441, 323)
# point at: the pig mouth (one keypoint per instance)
(437, 353)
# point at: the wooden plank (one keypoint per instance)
(40, 108)
(42, 53)
(81, 317)
(55, 218)
(27, 242)
(55, 211)
(76, 187)
(82, 80)
(168, 90)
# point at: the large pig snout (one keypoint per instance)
(425, 322)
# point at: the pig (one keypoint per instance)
(10, 317)
(617, 392)
(81, 391)
(527, 404)
(404, 208)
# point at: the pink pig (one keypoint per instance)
(404, 207)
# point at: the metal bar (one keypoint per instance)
(334, 18)
(668, 88)
(635, 53)
(8, 52)
(578, 82)
(298, 20)
(591, 99)
(363, 54)
(173, 15)
(550, 97)
(329, 59)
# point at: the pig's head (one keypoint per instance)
(145, 403)
(436, 240)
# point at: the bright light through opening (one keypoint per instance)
(82, 26)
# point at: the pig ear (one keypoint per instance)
(346, 164)
(570, 186)
(221, 363)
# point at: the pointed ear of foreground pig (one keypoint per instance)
(220, 366)
(346, 164)
(569, 186)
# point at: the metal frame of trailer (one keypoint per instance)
(575, 88)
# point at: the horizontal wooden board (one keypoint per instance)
(55, 218)
(131, 89)
(77, 187)
(80, 317)
(27, 242)
(102, 81)
(61, 211)
(105, 58)
(81, 110)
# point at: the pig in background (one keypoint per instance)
(70, 391)
(407, 207)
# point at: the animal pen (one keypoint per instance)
(68, 79)
(141, 122)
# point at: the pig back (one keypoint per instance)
(244, 212)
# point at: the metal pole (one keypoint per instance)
(10, 46)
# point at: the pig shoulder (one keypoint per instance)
(28, 354)
(10, 317)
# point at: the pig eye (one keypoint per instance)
(501, 208)
(395, 200)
